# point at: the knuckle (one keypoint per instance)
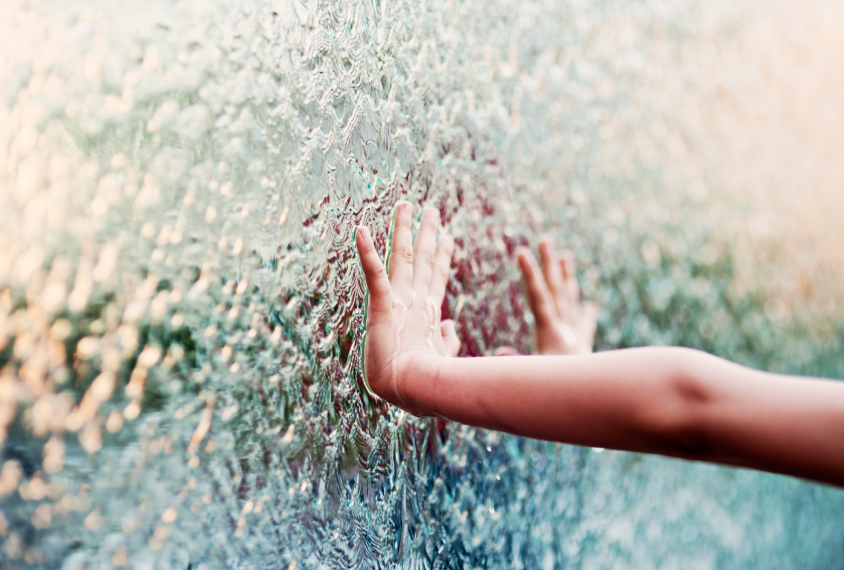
(406, 255)
(428, 258)
(378, 271)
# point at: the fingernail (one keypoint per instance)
(361, 229)
(429, 215)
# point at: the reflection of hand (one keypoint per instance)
(403, 314)
(564, 325)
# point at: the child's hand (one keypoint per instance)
(564, 325)
(403, 316)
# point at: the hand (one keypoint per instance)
(564, 325)
(403, 313)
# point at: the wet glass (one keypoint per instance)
(181, 308)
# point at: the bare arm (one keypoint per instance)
(670, 401)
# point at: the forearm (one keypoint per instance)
(669, 401)
(617, 399)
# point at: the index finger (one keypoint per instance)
(380, 292)
(539, 297)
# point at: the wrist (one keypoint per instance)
(418, 384)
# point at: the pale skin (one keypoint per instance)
(665, 400)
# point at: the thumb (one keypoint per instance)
(450, 340)
(588, 324)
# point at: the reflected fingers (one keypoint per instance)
(551, 269)
(570, 276)
(539, 295)
(588, 324)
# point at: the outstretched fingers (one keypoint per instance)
(424, 250)
(380, 292)
(400, 258)
(551, 269)
(570, 277)
(539, 296)
(439, 275)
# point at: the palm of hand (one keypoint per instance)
(403, 316)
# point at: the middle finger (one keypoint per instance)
(423, 250)
(400, 258)
(554, 276)
(442, 264)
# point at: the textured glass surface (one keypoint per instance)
(181, 310)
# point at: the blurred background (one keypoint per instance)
(181, 310)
